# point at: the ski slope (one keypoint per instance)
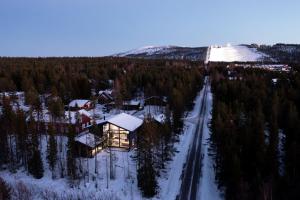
(238, 53)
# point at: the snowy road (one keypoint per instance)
(191, 175)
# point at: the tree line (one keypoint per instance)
(255, 133)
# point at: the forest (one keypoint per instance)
(255, 136)
(70, 78)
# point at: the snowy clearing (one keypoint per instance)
(238, 53)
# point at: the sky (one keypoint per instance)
(105, 27)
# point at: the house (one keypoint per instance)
(80, 119)
(17, 97)
(88, 144)
(156, 101)
(127, 105)
(121, 130)
(105, 96)
(78, 104)
(158, 118)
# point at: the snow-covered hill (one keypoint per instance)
(238, 53)
(147, 50)
(167, 52)
(226, 53)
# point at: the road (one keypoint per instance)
(192, 171)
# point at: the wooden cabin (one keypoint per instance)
(79, 104)
(105, 96)
(80, 119)
(156, 101)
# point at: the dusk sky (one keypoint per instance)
(104, 27)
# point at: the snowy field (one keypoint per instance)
(237, 53)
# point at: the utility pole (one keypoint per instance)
(106, 173)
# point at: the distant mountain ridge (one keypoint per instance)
(287, 53)
(167, 52)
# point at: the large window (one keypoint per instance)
(118, 137)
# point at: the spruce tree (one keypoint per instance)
(145, 156)
(52, 150)
(71, 161)
(5, 190)
(35, 164)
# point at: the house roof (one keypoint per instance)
(132, 103)
(78, 102)
(88, 139)
(107, 91)
(161, 118)
(126, 121)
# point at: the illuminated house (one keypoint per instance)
(121, 130)
(88, 144)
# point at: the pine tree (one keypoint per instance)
(35, 164)
(5, 190)
(71, 161)
(52, 150)
(7, 123)
(145, 159)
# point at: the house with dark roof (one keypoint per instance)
(105, 96)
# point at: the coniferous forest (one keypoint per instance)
(255, 133)
(254, 140)
(73, 78)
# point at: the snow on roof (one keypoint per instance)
(73, 115)
(161, 118)
(132, 102)
(88, 139)
(78, 102)
(126, 121)
(107, 91)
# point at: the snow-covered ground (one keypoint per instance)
(238, 53)
(170, 182)
(208, 188)
(92, 185)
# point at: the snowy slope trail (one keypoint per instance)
(238, 53)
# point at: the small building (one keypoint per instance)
(78, 104)
(105, 96)
(80, 119)
(156, 101)
(88, 144)
(17, 97)
(127, 105)
(121, 130)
